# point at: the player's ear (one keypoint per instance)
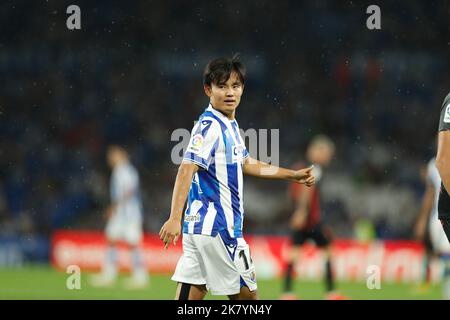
(207, 90)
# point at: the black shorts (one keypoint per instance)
(320, 235)
(446, 226)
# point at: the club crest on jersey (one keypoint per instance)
(196, 143)
(447, 114)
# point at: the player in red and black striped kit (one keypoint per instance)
(306, 223)
(443, 165)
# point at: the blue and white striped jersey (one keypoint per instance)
(125, 179)
(215, 202)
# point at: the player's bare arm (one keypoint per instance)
(443, 157)
(300, 215)
(171, 229)
(425, 210)
(256, 168)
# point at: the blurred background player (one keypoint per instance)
(429, 213)
(306, 222)
(422, 230)
(124, 221)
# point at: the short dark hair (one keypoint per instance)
(219, 70)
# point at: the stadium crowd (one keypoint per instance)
(133, 74)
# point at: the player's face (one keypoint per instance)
(113, 156)
(225, 97)
(321, 154)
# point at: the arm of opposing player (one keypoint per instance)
(256, 168)
(443, 157)
(171, 229)
(301, 208)
(425, 210)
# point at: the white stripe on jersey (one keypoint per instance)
(209, 219)
(225, 193)
(240, 172)
(241, 193)
(216, 141)
(195, 207)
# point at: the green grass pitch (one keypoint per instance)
(44, 282)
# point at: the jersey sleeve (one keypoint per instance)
(444, 121)
(245, 152)
(203, 143)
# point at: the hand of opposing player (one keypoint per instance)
(170, 232)
(108, 213)
(305, 176)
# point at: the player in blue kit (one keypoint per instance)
(215, 255)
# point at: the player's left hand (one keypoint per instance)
(305, 176)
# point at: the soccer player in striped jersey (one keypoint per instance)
(125, 223)
(307, 223)
(215, 254)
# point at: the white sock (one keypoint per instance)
(110, 265)
(139, 270)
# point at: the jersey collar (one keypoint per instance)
(219, 114)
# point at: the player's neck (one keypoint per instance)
(230, 115)
(120, 163)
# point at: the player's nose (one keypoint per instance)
(229, 92)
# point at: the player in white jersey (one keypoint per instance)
(215, 254)
(124, 220)
(439, 242)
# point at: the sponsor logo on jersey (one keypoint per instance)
(238, 150)
(238, 153)
(196, 143)
(192, 218)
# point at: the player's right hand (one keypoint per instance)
(305, 176)
(170, 232)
